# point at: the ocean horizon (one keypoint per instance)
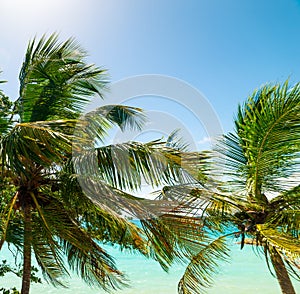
(246, 272)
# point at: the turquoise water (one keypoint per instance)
(246, 273)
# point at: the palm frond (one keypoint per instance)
(288, 199)
(102, 222)
(92, 126)
(5, 114)
(55, 81)
(158, 239)
(84, 255)
(200, 201)
(15, 233)
(126, 117)
(5, 218)
(188, 233)
(48, 253)
(127, 165)
(84, 189)
(176, 142)
(286, 212)
(106, 224)
(282, 241)
(199, 273)
(266, 142)
(94, 266)
(35, 142)
(163, 243)
(114, 230)
(231, 161)
(288, 220)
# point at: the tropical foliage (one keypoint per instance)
(64, 193)
(252, 190)
(48, 154)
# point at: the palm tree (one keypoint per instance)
(44, 210)
(251, 190)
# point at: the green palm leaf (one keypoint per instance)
(5, 219)
(198, 274)
(55, 81)
(126, 117)
(286, 211)
(35, 142)
(5, 113)
(93, 126)
(84, 255)
(101, 221)
(265, 145)
(126, 165)
(48, 254)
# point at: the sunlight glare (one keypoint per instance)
(33, 14)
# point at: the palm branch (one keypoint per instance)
(264, 148)
(55, 81)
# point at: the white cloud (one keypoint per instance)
(205, 140)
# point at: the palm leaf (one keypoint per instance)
(36, 142)
(286, 212)
(55, 81)
(55, 233)
(126, 165)
(5, 113)
(265, 145)
(162, 241)
(198, 274)
(187, 231)
(48, 253)
(158, 239)
(5, 217)
(93, 126)
(102, 222)
(84, 255)
(201, 201)
(282, 241)
(15, 233)
(126, 117)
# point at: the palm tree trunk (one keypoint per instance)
(281, 273)
(27, 250)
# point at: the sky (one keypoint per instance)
(224, 49)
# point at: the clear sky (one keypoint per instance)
(224, 48)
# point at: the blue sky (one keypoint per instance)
(224, 48)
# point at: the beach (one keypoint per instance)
(245, 273)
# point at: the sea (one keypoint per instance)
(246, 272)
